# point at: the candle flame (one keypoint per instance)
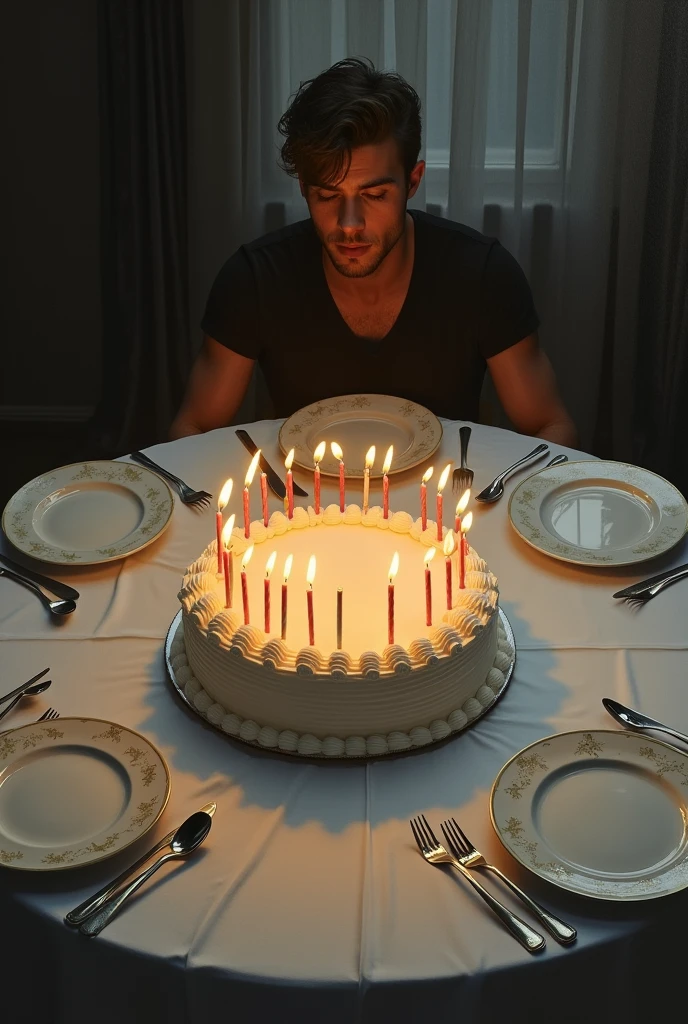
(388, 459)
(449, 543)
(443, 479)
(310, 575)
(462, 502)
(289, 459)
(270, 564)
(252, 469)
(427, 474)
(319, 452)
(370, 457)
(227, 531)
(337, 451)
(394, 567)
(428, 556)
(225, 494)
(466, 523)
(247, 557)
(287, 567)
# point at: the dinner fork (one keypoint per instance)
(467, 855)
(435, 853)
(641, 592)
(48, 716)
(199, 499)
(462, 477)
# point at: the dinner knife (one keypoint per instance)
(24, 686)
(274, 481)
(54, 586)
(652, 585)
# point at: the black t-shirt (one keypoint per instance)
(467, 300)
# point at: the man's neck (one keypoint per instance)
(393, 272)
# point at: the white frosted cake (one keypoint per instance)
(370, 697)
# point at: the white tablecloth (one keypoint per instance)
(309, 897)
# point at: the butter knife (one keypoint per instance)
(651, 586)
(274, 482)
(54, 586)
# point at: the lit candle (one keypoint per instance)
(339, 454)
(448, 548)
(228, 560)
(465, 527)
(385, 481)
(369, 460)
(440, 487)
(317, 458)
(427, 558)
(393, 569)
(225, 495)
(244, 585)
(269, 566)
(285, 574)
(460, 509)
(247, 483)
(424, 498)
(339, 618)
(264, 497)
(290, 484)
(310, 576)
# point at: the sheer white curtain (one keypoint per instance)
(537, 128)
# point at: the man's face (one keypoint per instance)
(361, 218)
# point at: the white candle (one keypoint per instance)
(369, 460)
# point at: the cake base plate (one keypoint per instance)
(176, 625)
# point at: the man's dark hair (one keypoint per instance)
(349, 105)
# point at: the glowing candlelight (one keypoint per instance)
(310, 576)
(393, 570)
(247, 483)
(290, 484)
(385, 481)
(225, 495)
(264, 497)
(285, 575)
(460, 509)
(269, 566)
(465, 527)
(339, 618)
(440, 487)
(424, 498)
(339, 454)
(448, 548)
(228, 560)
(244, 584)
(427, 558)
(317, 459)
(369, 460)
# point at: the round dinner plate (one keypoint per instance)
(356, 422)
(88, 512)
(76, 790)
(600, 813)
(598, 513)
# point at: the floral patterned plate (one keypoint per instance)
(356, 422)
(599, 513)
(601, 813)
(76, 790)
(88, 513)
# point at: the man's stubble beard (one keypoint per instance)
(351, 269)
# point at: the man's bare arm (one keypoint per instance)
(524, 380)
(217, 385)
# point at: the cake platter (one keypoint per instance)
(202, 708)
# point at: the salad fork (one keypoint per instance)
(462, 477)
(467, 855)
(49, 716)
(643, 591)
(435, 853)
(199, 499)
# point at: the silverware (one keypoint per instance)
(59, 607)
(24, 686)
(495, 490)
(635, 720)
(274, 482)
(94, 902)
(56, 587)
(462, 477)
(199, 499)
(466, 854)
(32, 691)
(435, 853)
(49, 716)
(185, 840)
(646, 589)
(557, 460)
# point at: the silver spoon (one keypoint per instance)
(31, 692)
(188, 836)
(557, 460)
(634, 719)
(495, 490)
(60, 607)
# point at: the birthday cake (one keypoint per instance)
(335, 686)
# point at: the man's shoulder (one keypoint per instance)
(452, 231)
(299, 234)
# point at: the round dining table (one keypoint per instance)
(309, 899)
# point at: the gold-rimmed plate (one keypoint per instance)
(356, 422)
(76, 790)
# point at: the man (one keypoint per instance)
(367, 296)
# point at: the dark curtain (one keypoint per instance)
(146, 345)
(661, 398)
